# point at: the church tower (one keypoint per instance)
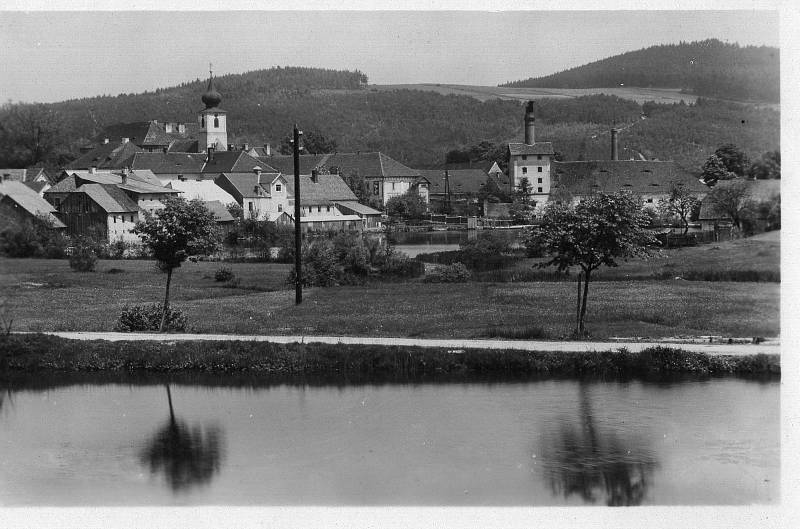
(212, 120)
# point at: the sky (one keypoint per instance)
(52, 56)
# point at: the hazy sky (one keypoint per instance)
(51, 56)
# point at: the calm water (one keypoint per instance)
(535, 443)
(415, 243)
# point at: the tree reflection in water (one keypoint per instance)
(187, 456)
(593, 463)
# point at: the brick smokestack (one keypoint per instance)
(614, 144)
(529, 122)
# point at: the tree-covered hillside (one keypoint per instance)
(415, 127)
(708, 68)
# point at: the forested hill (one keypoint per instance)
(416, 128)
(708, 68)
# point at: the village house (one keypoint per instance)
(19, 204)
(455, 190)
(530, 161)
(102, 211)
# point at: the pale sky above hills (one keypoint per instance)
(52, 56)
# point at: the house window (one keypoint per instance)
(649, 200)
(280, 208)
(115, 218)
(524, 157)
(216, 121)
(328, 209)
(524, 170)
(278, 188)
(540, 181)
(250, 206)
(539, 169)
(376, 188)
(539, 189)
(392, 186)
(319, 209)
(538, 156)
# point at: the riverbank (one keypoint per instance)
(38, 352)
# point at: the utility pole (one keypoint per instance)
(298, 236)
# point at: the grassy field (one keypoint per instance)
(483, 93)
(47, 295)
(760, 254)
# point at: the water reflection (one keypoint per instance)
(594, 463)
(187, 456)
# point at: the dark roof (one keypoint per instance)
(109, 197)
(142, 133)
(36, 186)
(367, 164)
(478, 164)
(29, 200)
(108, 156)
(23, 175)
(540, 147)
(285, 163)
(137, 182)
(757, 190)
(461, 180)
(183, 145)
(221, 213)
(329, 188)
(169, 163)
(235, 162)
(245, 183)
(610, 176)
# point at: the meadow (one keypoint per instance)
(45, 295)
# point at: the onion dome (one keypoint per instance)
(211, 98)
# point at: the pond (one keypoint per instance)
(413, 243)
(545, 442)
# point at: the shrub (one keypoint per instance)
(454, 273)
(83, 257)
(148, 318)
(224, 274)
(400, 265)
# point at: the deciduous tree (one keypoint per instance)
(408, 206)
(731, 199)
(714, 171)
(182, 228)
(596, 232)
(680, 203)
(733, 158)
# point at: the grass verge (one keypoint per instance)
(30, 353)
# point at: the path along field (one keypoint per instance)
(45, 295)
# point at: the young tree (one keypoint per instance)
(768, 166)
(409, 206)
(680, 203)
(731, 199)
(596, 232)
(182, 228)
(714, 171)
(524, 189)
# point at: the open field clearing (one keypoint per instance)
(47, 295)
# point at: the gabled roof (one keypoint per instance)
(540, 147)
(37, 186)
(285, 163)
(138, 181)
(328, 189)
(108, 156)
(221, 213)
(142, 133)
(205, 190)
(461, 180)
(358, 207)
(610, 176)
(235, 162)
(183, 145)
(366, 164)
(169, 163)
(757, 190)
(109, 197)
(245, 183)
(29, 200)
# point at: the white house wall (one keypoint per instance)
(120, 227)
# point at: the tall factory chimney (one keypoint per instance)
(529, 122)
(614, 144)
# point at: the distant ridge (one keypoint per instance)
(707, 68)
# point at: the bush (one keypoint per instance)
(400, 265)
(83, 257)
(148, 318)
(224, 274)
(454, 273)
